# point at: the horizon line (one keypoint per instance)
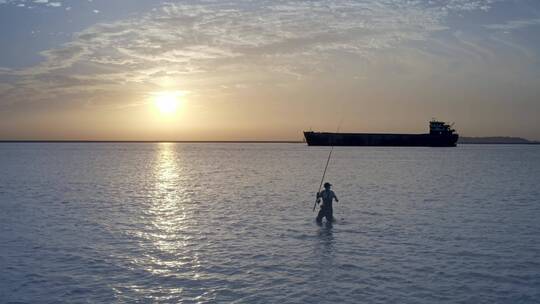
(219, 141)
(145, 141)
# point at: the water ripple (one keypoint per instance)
(215, 223)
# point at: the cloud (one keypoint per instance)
(514, 24)
(465, 5)
(222, 41)
(31, 3)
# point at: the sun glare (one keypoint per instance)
(167, 102)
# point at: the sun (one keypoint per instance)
(167, 102)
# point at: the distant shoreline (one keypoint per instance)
(498, 143)
(496, 140)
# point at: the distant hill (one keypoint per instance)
(496, 140)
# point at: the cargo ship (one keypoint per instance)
(440, 135)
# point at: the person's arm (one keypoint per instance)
(335, 196)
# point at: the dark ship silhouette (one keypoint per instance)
(440, 135)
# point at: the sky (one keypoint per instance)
(266, 69)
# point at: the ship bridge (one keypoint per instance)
(440, 128)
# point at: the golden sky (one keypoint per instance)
(266, 70)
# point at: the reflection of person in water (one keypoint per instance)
(327, 196)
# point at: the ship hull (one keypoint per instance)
(370, 139)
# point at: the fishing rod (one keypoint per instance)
(326, 166)
(322, 179)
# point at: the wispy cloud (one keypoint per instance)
(31, 3)
(200, 41)
(514, 24)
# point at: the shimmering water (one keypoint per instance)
(204, 223)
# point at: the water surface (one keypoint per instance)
(203, 223)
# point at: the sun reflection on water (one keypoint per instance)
(169, 211)
(167, 239)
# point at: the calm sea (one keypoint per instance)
(220, 223)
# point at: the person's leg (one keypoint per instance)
(330, 214)
(320, 215)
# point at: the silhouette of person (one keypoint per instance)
(326, 210)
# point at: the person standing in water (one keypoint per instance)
(327, 196)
